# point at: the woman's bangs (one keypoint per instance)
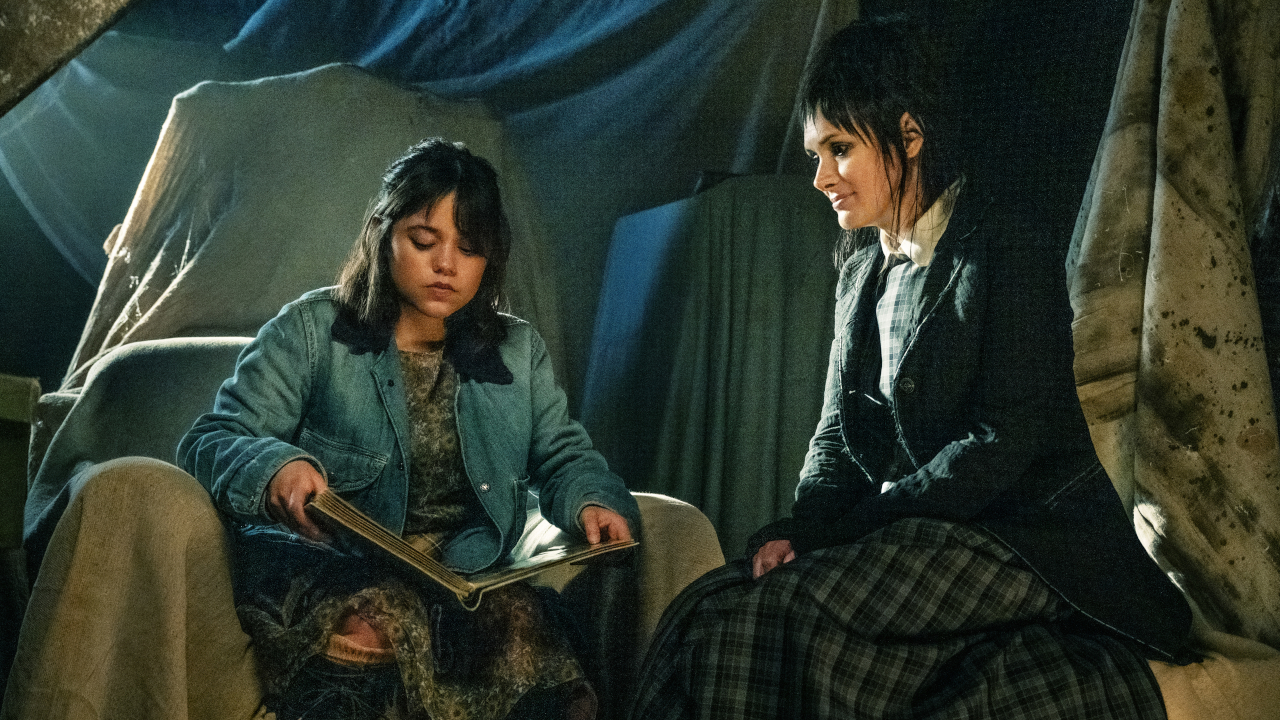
(477, 222)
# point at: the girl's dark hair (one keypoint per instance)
(423, 176)
(863, 79)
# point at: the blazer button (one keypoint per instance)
(907, 385)
(484, 487)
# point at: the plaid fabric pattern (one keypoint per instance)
(895, 313)
(923, 619)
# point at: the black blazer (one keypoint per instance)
(985, 408)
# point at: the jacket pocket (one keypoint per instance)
(348, 466)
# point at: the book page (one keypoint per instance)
(469, 589)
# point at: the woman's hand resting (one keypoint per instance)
(288, 493)
(602, 524)
(771, 555)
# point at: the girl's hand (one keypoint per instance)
(603, 524)
(288, 493)
(771, 555)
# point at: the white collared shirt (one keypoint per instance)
(918, 243)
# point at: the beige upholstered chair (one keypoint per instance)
(131, 608)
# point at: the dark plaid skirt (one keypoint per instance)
(923, 619)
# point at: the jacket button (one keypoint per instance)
(484, 487)
(907, 385)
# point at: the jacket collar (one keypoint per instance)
(463, 346)
(918, 243)
(949, 257)
(470, 355)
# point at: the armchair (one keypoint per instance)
(131, 613)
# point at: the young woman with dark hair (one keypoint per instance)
(955, 548)
(407, 392)
(426, 175)
(865, 87)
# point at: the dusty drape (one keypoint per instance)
(1170, 360)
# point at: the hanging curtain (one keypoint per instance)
(709, 358)
(1170, 357)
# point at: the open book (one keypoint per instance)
(470, 588)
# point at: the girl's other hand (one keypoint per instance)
(602, 524)
(771, 555)
(288, 493)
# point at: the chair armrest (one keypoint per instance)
(678, 545)
(138, 400)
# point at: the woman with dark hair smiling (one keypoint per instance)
(407, 392)
(955, 548)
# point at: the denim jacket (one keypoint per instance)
(984, 407)
(306, 389)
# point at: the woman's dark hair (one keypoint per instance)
(423, 176)
(863, 79)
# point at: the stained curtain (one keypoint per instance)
(1171, 357)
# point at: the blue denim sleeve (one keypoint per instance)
(564, 469)
(234, 450)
